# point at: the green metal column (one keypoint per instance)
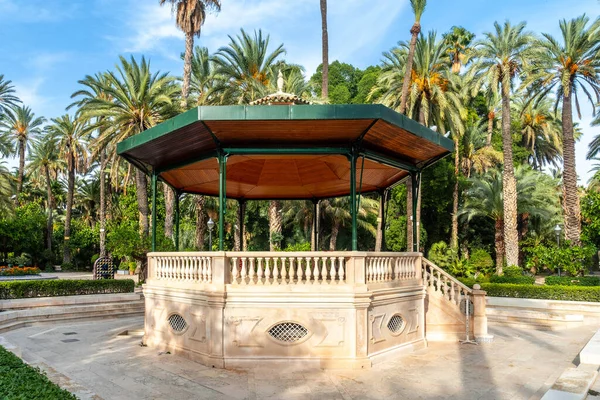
(222, 199)
(153, 211)
(177, 216)
(353, 210)
(416, 181)
(315, 223)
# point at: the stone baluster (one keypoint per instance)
(284, 271)
(390, 269)
(292, 271)
(267, 270)
(275, 270)
(308, 269)
(299, 269)
(209, 269)
(316, 270)
(332, 271)
(252, 272)
(324, 269)
(341, 270)
(234, 268)
(205, 262)
(261, 273)
(452, 293)
(244, 271)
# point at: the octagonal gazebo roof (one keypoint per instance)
(285, 151)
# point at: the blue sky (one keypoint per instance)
(48, 45)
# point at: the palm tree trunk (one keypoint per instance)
(499, 241)
(49, 222)
(70, 192)
(416, 28)
(490, 128)
(571, 195)
(169, 210)
(237, 237)
(187, 66)
(141, 183)
(509, 185)
(379, 234)
(335, 229)
(200, 222)
(274, 225)
(102, 204)
(21, 165)
(454, 235)
(325, 43)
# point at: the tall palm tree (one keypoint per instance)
(137, 100)
(245, 65)
(21, 125)
(325, 45)
(536, 193)
(336, 211)
(93, 90)
(476, 156)
(493, 103)
(459, 41)
(190, 16)
(501, 56)
(7, 189)
(7, 95)
(72, 138)
(570, 67)
(44, 161)
(418, 7)
(541, 132)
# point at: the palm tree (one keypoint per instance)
(72, 138)
(44, 161)
(501, 56)
(459, 40)
(21, 125)
(93, 90)
(88, 198)
(275, 224)
(7, 189)
(570, 67)
(536, 193)
(245, 66)
(476, 156)
(493, 102)
(325, 43)
(7, 96)
(136, 100)
(418, 7)
(540, 131)
(190, 16)
(337, 211)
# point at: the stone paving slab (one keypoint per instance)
(519, 364)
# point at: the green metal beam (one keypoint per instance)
(154, 175)
(240, 151)
(222, 199)
(177, 217)
(189, 161)
(353, 210)
(387, 160)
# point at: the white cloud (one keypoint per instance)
(29, 93)
(36, 11)
(43, 61)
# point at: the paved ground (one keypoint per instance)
(93, 361)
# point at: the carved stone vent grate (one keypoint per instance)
(395, 324)
(177, 323)
(288, 332)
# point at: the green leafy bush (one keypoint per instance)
(442, 255)
(519, 279)
(573, 281)
(304, 246)
(570, 293)
(49, 288)
(471, 281)
(21, 381)
(512, 271)
(481, 261)
(67, 266)
(574, 260)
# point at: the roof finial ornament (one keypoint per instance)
(280, 82)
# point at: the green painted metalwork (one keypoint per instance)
(240, 151)
(390, 161)
(222, 198)
(154, 175)
(291, 112)
(353, 210)
(416, 181)
(362, 169)
(177, 217)
(185, 163)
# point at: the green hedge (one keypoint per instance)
(573, 280)
(49, 288)
(21, 381)
(571, 293)
(518, 280)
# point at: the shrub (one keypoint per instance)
(512, 271)
(49, 288)
(305, 246)
(573, 260)
(519, 279)
(21, 381)
(19, 271)
(471, 281)
(573, 281)
(442, 255)
(481, 261)
(66, 266)
(570, 293)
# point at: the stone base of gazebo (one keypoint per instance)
(311, 309)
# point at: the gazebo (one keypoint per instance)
(335, 309)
